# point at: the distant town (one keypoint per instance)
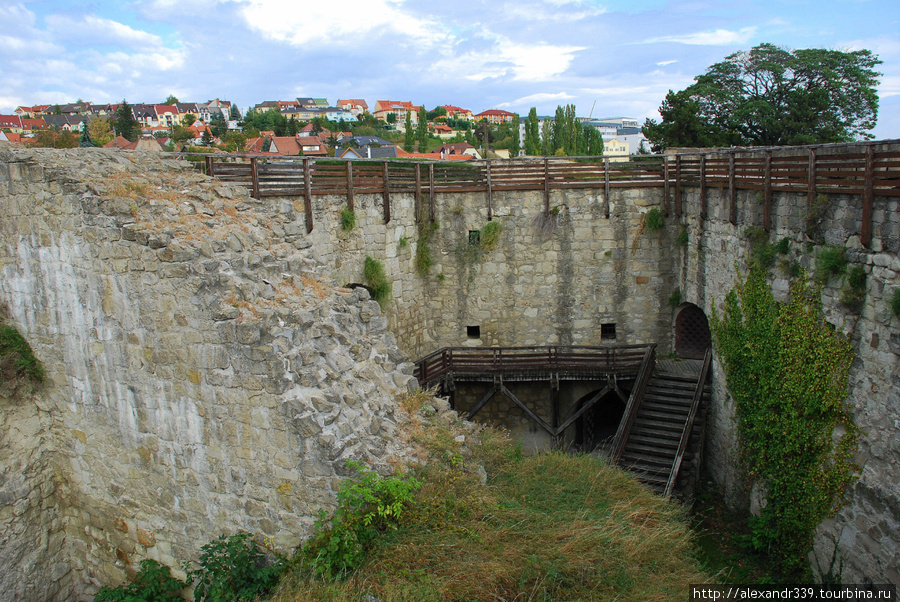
(313, 127)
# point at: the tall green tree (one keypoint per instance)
(422, 129)
(771, 96)
(515, 145)
(126, 125)
(409, 136)
(532, 133)
(171, 99)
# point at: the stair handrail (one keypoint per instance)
(634, 403)
(689, 423)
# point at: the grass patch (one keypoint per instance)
(348, 220)
(853, 293)
(490, 235)
(895, 303)
(377, 280)
(831, 261)
(683, 237)
(675, 298)
(654, 220)
(547, 527)
(17, 360)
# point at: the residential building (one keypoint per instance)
(615, 150)
(12, 123)
(356, 106)
(399, 108)
(454, 112)
(495, 116)
(213, 108)
(68, 123)
(32, 112)
(459, 148)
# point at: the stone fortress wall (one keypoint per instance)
(209, 373)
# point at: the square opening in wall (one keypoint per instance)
(607, 331)
(473, 332)
(474, 237)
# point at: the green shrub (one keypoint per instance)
(348, 220)
(761, 250)
(895, 303)
(683, 238)
(153, 583)
(16, 357)
(490, 235)
(423, 250)
(675, 298)
(853, 293)
(831, 261)
(654, 220)
(403, 242)
(378, 281)
(368, 505)
(233, 568)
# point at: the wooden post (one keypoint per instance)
(387, 192)
(678, 186)
(811, 181)
(732, 191)
(868, 198)
(209, 166)
(254, 178)
(430, 192)
(703, 212)
(767, 193)
(666, 185)
(307, 195)
(350, 186)
(606, 183)
(490, 193)
(546, 186)
(418, 193)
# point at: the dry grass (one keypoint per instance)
(548, 527)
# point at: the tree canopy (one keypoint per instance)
(771, 96)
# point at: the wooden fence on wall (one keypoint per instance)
(867, 169)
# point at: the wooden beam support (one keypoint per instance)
(307, 195)
(418, 193)
(386, 193)
(767, 193)
(254, 178)
(868, 198)
(487, 397)
(593, 400)
(490, 192)
(543, 424)
(811, 181)
(606, 185)
(732, 191)
(678, 186)
(546, 186)
(430, 192)
(703, 209)
(350, 186)
(666, 185)
(209, 166)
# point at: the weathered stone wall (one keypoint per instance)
(867, 528)
(551, 282)
(204, 375)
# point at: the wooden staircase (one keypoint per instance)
(665, 423)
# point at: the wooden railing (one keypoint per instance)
(634, 404)
(689, 423)
(868, 169)
(529, 362)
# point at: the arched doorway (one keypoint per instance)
(599, 424)
(692, 337)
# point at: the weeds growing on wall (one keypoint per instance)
(683, 237)
(787, 370)
(348, 220)
(17, 360)
(377, 280)
(761, 250)
(831, 261)
(654, 220)
(895, 303)
(853, 292)
(675, 298)
(423, 249)
(153, 583)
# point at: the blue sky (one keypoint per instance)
(613, 58)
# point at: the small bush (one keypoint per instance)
(490, 235)
(675, 298)
(16, 357)
(403, 242)
(348, 220)
(832, 261)
(153, 583)
(853, 293)
(378, 281)
(423, 250)
(368, 505)
(683, 238)
(233, 568)
(895, 303)
(654, 220)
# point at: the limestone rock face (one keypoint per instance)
(204, 375)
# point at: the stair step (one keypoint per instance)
(664, 432)
(659, 414)
(644, 463)
(650, 451)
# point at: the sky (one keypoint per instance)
(614, 58)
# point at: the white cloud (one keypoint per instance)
(95, 30)
(349, 23)
(536, 99)
(560, 11)
(718, 37)
(664, 63)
